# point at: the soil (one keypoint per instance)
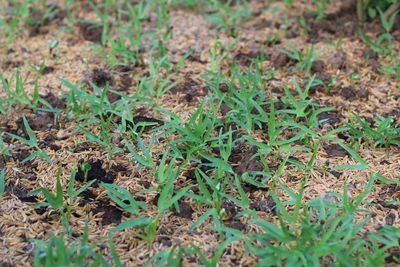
(266, 33)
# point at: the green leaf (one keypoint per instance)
(2, 182)
(136, 222)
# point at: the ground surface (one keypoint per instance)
(343, 55)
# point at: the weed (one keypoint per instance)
(385, 134)
(227, 18)
(4, 149)
(57, 252)
(304, 59)
(123, 198)
(2, 181)
(19, 94)
(57, 201)
(31, 142)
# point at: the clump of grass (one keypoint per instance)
(385, 134)
(304, 59)
(31, 142)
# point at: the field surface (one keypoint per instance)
(199, 133)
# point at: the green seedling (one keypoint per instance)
(173, 257)
(85, 167)
(123, 198)
(383, 42)
(196, 134)
(219, 53)
(321, 7)
(62, 251)
(219, 250)
(228, 18)
(308, 242)
(19, 94)
(370, 7)
(57, 201)
(385, 134)
(155, 84)
(2, 182)
(52, 45)
(166, 174)
(12, 16)
(31, 142)
(4, 149)
(304, 59)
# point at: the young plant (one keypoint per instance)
(166, 174)
(228, 18)
(4, 149)
(320, 234)
(12, 14)
(65, 251)
(155, 84)
(19, 94)
(195, 136)
(123, 198)
(385, 134)
(304, 59)
(370, 7)
(31, 142)
(2, 182)
(57, 201)
(143, 161)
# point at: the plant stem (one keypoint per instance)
(393, 8)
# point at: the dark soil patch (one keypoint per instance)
(393, 257)
(390, 219)
(235, 224)
(113, 97)
(47, 70)
(185, 210)
(351, 94)
(338, 60)
(41, 122)
(279, 59)
(190, 89)
(96, 172)
(335, 150)
(90, 31)
(111, 214)
(248, 162)
(145, 184)
(11, 64)
(343, 22)
(20, 192)
(263, 24)
(265, 205)
(318, 66)
(387, 191)
(38, 18)
(47, 144)
(164, 240)
(20, 154)
(332, 117)
(100, 77)
(87, 196)
(336, 174)
(230, 208)
(246, 59)
(54, 101)
(119, 168)
(83, 147)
